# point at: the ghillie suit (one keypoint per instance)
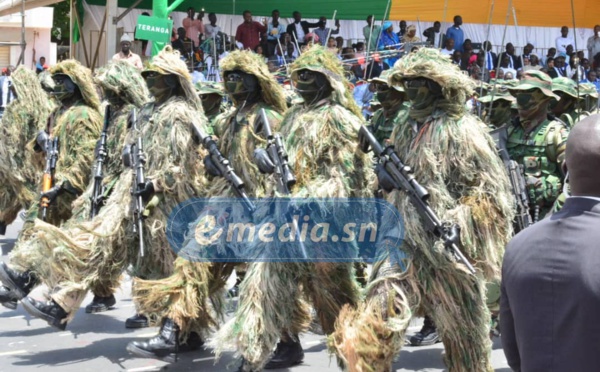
(192, 296)
(76, 124)
(320, 138)
(589, 99)
(74, 262)
(20, 167)
(211, 94)
(455, 160)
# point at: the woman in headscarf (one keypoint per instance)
(389, 41)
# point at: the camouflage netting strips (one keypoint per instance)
(455, 160)
(20, 166)
(322, 144)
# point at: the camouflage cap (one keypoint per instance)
(588, 89)
(384, 79)
(533, 79)
(500, 92)
(209, 87)
(564, 85)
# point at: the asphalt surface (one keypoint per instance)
(97, 342)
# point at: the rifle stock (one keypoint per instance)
(51, 147)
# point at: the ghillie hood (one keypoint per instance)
(125, 80)
(82, 77)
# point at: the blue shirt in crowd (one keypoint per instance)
(458, 35)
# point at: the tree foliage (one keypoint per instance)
(60, 26)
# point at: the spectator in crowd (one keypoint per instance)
(434, 34)
(183, 43)
(532, 63)
(127, 55)
(211, 30)
(551, 54)
(289, 47)
(371, 38)
(260, 51)
(593, 43)
(248, 33)
(375, 67)
(410, 35)
(585, 64)
(563, 41)
(467, 53)
(332, 45)
(508, 75)
(402, 31)
(363, 95)
(340, 42)
(197, 75)
(456, 57)
(449, 47)
(39, 66)
(482, 72)
(491, 59)
(561, 67)
(389, 41)
(274, 31)
(7, 91)
(323, 32)
(569, 53)
(550, 68)
(193, 27)
(514, 62)
(506, 66)
(527, 50)
(593, 78)
(310, 39)
(456, 32)
(300, 28)
(278, 59)
(549, 295)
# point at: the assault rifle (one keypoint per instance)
(403, 179)
(276, 162)
(51, 149)
(221, 167)
(517, 180)
(97, 197)
(134, 158)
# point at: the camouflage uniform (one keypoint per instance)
(566, 89)
(210, 94)
(540, 151)
(384, 121)
(500, 114)
(589, 99)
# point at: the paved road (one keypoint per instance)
(96, 342)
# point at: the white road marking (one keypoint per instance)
(13, 352)
(17, 317)
(65, 334)
(203, 359)
(313, 342)
(151, 368)
(144, 335)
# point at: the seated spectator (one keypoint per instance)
(508, 75)
(457, 57)
(289, 47)
(340, 42)
(183, 43)
(332, 46)
(278, 60)
(467, 52)
(375, 67)
(550, 297)
(449, 47)
(197, 75)
(363, 95)
(552, 72)
(402, 31)
(594, 79)
(39, 66)
(410, 36)
(513, 61)
(506, 66)
(259, 50)
(534, 63)
(551, 54)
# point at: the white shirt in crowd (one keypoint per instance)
(447, 52)
(562, 43)
(197, 77)
(211, 31)
(299, 32)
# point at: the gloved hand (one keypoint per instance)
(147, 191)
(51, 194)
(386, 181)
(210, 167)
(263, 161)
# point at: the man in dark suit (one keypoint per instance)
(300, 28)
(550, 276)
(514, 61)
(491, 59)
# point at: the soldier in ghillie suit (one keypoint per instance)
(191, 300)
(566, 108)
(76, 124)
(211, 94)
(394, 107)
(537, 141)
(589, 99)
(69, 268)
(20, 168)
(455, 160)
(320, 136)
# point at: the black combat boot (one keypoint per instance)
(288, 353)
(427, 335)
(166, 344)
(20, 283)
(136, 321)
(100, 304)
(49, 311)
(2, 228)
(8, 298)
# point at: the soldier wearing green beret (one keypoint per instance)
(566, 109)
(499, 113)
(589, 99)
(211, 94)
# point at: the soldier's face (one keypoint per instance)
(210, 102)
(64, 87)
(530, 101)
(420, 93)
